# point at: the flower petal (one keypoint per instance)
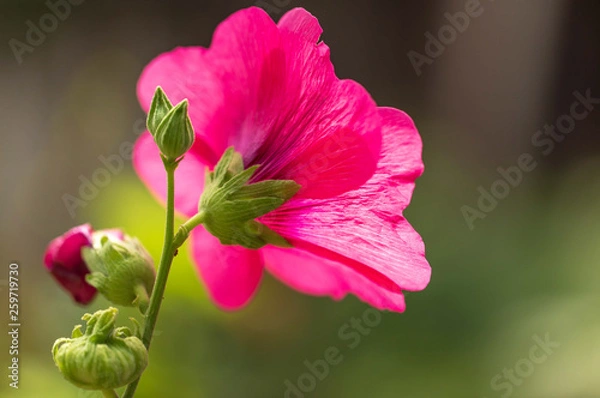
(318, 276)
(64, 261)
(331, 166)
(184, 73)
(324, 127)
(231, 273)
(364, 228)
(271, 92)
(298, 21)
(189, 175)
(66, 249)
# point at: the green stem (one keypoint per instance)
(110, 394)
(171, 244)
(184, 229)
(163, 269)
(165, 261)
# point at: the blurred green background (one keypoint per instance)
(529, 270)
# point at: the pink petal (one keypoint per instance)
(331, 166)
(66, 249)
(231, 273)
(220, 82)
(315, 275)
(184, 73)
(189, 176)
(271, 92)
(64, 261)
(181, 64)
(74, 282)
(325, 127)
(364, 228)
(300, 22)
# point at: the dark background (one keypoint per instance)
(528, 270)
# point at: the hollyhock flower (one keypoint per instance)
(64, 260)
(270, 91)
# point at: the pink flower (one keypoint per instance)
(64, 261)
(270, 91)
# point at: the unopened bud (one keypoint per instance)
(103, 357)
(121, 270)
(170, 126)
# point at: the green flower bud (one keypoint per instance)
(121, 269)
(102, 358)
(170, 126)
(230, 206)
(158, 109)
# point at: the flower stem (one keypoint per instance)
(165, 261)
(171, 244)
(163, 269)
(110, 394)
(184, 229)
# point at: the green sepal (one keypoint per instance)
(231, 205)
(76, 332)
(121, 270)
(242, 210)
(283, 189)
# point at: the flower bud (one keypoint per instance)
(230, 205)
(159, 108)
(170, 126)
(122, 270)
(102, 358)
(64, 261)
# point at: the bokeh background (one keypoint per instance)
(529, 268)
